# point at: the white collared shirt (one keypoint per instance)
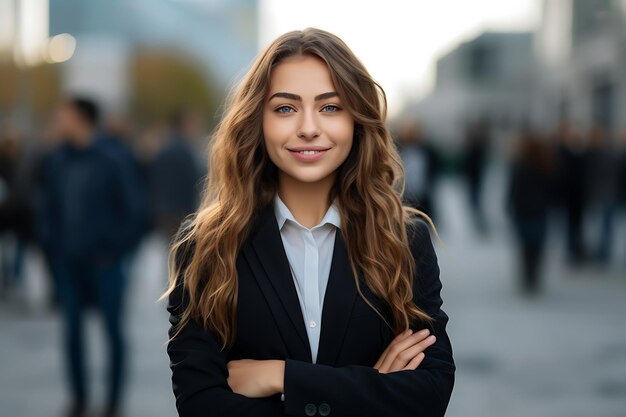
(310, 252)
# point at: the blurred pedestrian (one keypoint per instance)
(572, 171)
(13, 214)
(116, 141)
(529, 201)
(621, 183)
(46, 146)
(601, 190)
(90, 218)
(175, 175)
(420, 167)
(477, 142)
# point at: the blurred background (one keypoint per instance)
(511, 122)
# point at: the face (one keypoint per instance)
(68, 123)
(307, 131)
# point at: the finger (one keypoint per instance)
(403, 335)
(412, 351)
(397, 339)
(404, 352)
(396, 348)
(415, 362)
(406, 356)
(414, 338)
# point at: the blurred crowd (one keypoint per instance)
(571, 177)
(85, 193)
(580, 175)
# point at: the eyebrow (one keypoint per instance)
(292, 96)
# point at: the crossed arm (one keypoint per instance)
(413, 377)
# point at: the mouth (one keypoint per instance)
(308, 153)
(308, 150)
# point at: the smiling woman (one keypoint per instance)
(302, 285)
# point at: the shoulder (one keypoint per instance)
(107, 152)
(181, 257)
(420, 241)
(426, 283)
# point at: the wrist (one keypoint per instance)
(278, 376)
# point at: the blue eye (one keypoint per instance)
(284, 109)
(332, 108)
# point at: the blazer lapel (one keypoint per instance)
(338, 301)
(275, 279)
(276, 282)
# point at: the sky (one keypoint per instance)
(399, 41)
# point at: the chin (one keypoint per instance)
(309, 177)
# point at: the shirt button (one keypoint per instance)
(310, 409)
(324, 409)
(312, 323)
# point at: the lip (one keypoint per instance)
(308, 148)
(321, 151)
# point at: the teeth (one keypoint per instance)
(309, 152)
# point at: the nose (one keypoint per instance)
(309, 128)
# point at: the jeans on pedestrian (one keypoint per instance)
(82, 285)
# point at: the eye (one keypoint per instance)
(330, 108)
(284, 109)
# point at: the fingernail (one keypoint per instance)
(424, 332)
(431, 338)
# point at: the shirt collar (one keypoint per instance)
(283, 214)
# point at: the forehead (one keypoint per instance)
(66, 109)
(304, 75)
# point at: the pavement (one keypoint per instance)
(562, 353)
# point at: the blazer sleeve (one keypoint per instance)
(358, 390)
(199, 372)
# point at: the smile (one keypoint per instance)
(308, 155)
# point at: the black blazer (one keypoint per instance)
(270, 325)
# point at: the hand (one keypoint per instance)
(404, 352)
(256, 378)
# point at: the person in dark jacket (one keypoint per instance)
(13, 213)
(115, 141)
(571, 185)
(89, 217)
(477, 142)
(601, 190)
(175, 176)
(621, 176)
(421, 167)
(529, 202)
(302, 286)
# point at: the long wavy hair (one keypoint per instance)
(242, 180)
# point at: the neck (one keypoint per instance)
(308, 202)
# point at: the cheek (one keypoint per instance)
(270, 138)
(341, 131)
(275, 133)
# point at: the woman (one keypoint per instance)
(302, 286)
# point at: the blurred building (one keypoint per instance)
(581, 50)
(142, 57)
(488, 77)
(221, 35)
